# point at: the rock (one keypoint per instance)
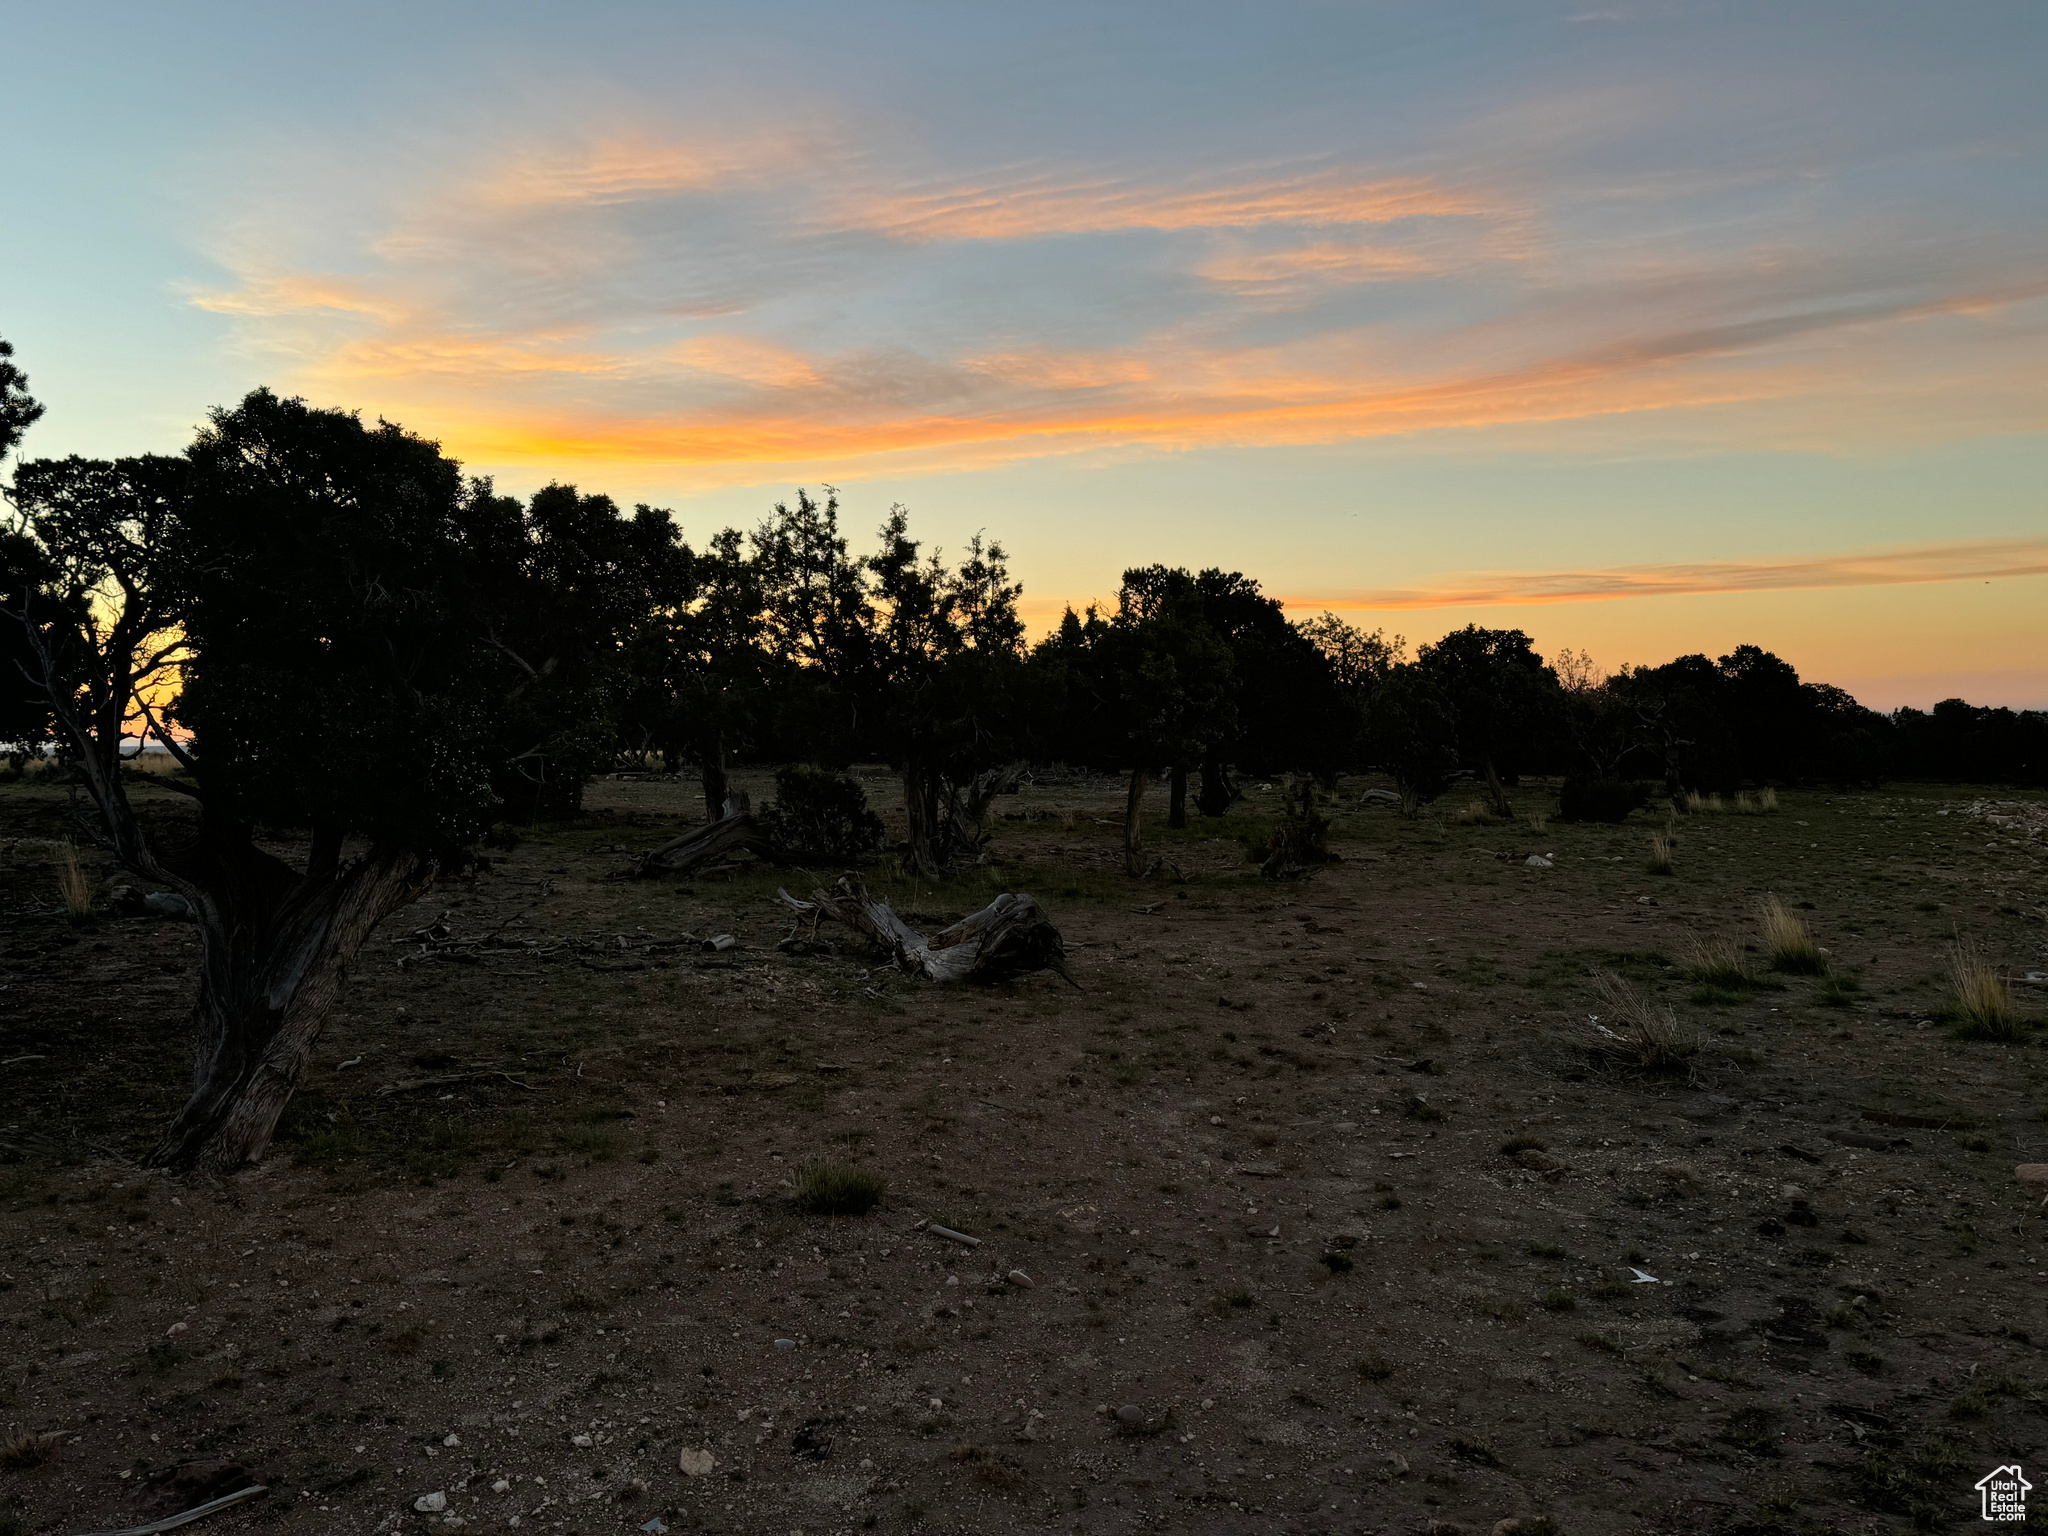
(1393, 1464)
(453, 1439)
(1130, 1413)
(695, 1463)
(581, 1442)
(1536, 861)
(1215, 1119)
(654, 1527)
(175, 1329)
(2031, 1173)
(785, 1343)
(1020, 1279)
(502, 1485)
(167, 904)
(431, 1503)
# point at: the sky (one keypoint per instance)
(1646, 328)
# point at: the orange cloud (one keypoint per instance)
(1033, 209)
(1963, 560)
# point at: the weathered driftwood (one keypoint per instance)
(1008, 937)
(734, 832)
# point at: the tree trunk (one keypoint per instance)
(1177, 798)
(921, 855)
(1216, 794)
(275, 949)
(1134, 834)
(716, 788)
(1502, 806)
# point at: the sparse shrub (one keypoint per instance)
(1473, 814)
(1608, 800)
(77, 891)
(1767, 801)
(1643, 1033)
(1697, 804)
(1787, 942)
(1557, 1299)
(1661, 861)
(838, 1189)
(1301, 840)
(819, 814)
(1838, 991)
(1714, 962)
(1983, 1000)
(1538, 821)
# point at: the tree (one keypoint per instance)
(334, 598)
(24, 707)
(1359, 665)
(1413, 734)
(1504, 702)
(1175, 683)
(569, 576)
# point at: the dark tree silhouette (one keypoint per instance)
(336, 598)
(1504, 702)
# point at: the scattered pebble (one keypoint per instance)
(1130, 1413)
(696, 1463)
(430, 1503)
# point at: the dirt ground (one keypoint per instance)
(1333, 1211)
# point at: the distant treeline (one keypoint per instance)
(536, 643)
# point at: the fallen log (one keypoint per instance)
(736, 831)
(1008, 937)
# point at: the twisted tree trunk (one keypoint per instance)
(924, 855)
(275, 948)
(1177, 798)
(716, 788)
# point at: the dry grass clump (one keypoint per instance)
(1787, 941)
(1474, 813)
(26, 1451)
(1641, 1032)
(1697, 804)
(838, 1189)
(1767, 801)
(1538, 821)
(1984, 1008)
(1714, 962)
(78, 891)
(1661, 861)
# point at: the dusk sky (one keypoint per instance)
(1647, 328)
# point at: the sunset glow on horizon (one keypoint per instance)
(1647, 329)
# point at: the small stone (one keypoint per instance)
(453, 1439)
(1208, 1402)
(502, 1485)
(581, 1442)
(1130, 1413)
(1215, 1119)
(654, 1527)
(1537, 861)
(175, 1329)
(1790, 1192)
(1393, 1464)
(1018, 1278)
(430, 1503)
(785, 1343)
(2031, 1173)
(694, 1463)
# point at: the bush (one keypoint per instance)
(820, 814)
(1983, 1000)
(838, 1189)
(1608, 800)
(1787, 940)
